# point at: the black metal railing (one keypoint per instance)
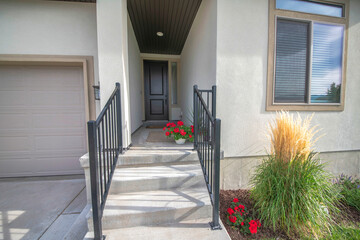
(207, 144)
(105, 145)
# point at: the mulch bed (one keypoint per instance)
(227, 196)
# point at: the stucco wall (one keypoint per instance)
(135, 86)
(236, 172)
(198, 57)
(242, 38)
(111, 18)
(49, 28)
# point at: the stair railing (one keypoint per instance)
(207, 145)
(105, 145)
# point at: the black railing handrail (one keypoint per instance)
(103, 111)
(105, 145)
(207, 145)
(198, 92)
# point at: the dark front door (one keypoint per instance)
(156, 90)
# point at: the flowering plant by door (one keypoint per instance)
(179, 131)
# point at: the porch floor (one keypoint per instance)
(140, 140)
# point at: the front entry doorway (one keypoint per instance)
(156, 90)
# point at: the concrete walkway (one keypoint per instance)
(40, 208)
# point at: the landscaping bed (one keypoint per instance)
(349, 219)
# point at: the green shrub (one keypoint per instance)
(292, 191)
(350, 190)
(296, 196)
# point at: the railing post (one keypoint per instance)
(118, 116)
(94, 180)
(216, 188)
(213, 102)
(195, 118)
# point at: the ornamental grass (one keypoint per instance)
(291, 138)
(292, 191)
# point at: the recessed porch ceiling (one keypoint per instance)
(171, 17)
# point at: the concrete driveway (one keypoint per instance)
(40, 208)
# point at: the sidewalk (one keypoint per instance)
(40, 208)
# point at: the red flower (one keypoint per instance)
(253, 229)
(167, 133)
(232, 219)
(182, 132)
(230, 211)
(241, 206)
(190, 136)
(172, 125)
(164, 128)
(240, 214)
(168, 128)
(236, 208)
(192, 126)
(192, 130)
(236, 200)
(171, 132)
(168, 124)
(176, 130)
(180, 123)
(242, 223)
(253, 223)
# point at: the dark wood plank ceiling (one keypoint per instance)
(172, 17)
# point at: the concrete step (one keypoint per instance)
(150, 178)
(154, 207)
(146, 157)
(188, 229)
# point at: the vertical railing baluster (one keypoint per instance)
(119, 120)
(104, 154)
(215, 222)
(113, 130)
(195, 117)
(107, 146)
(111, 136)
(99, 154)
(213, 102)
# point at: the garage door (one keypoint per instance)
(42, 120)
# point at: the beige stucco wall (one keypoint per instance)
(49, 28)
(112, 38)
(198, 57)
(135, 84)
(242, 35)
(236, 172)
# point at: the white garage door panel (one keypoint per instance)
(41, 166)
(42, 120)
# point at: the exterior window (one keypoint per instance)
(311, 7)
(174, 83)
(306, 57)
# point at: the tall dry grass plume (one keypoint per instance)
(291, 138)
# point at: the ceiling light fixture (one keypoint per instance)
(160, 34)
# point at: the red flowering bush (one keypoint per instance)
(238, 217)
(179, 131)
